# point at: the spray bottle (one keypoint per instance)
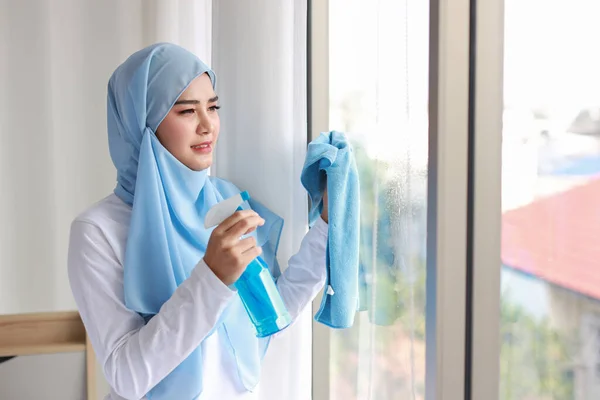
(256, 285)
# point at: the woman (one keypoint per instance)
(152, 285)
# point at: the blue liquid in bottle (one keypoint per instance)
(261, 299)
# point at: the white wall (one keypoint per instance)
(37, 377)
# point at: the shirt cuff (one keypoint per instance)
(204, 274)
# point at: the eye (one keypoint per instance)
(188, 111)
(214, 108)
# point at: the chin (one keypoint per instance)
(200, 166)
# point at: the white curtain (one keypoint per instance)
(259, 55)
(55, 60)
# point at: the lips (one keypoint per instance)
(205, 147)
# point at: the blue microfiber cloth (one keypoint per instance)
(330, 160)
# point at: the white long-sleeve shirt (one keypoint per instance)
(136, 356)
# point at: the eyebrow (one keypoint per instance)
(211, 100)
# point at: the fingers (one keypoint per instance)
(247, 250)
(234, 219)
(251, 254)
(246, 244)
(227, 254)
(244, 226)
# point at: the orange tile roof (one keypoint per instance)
(557, 239)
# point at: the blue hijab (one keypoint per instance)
(167, 237)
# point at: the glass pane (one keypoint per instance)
(550, 306)
(378, 96)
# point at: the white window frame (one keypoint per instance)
(446, 313)
(487, 193)
(318, 120)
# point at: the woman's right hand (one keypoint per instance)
(226, 255)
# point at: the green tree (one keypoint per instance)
(534, 357)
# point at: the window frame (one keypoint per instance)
(486, 159)
(448, 194)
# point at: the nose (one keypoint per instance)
(205, 125)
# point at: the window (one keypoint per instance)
(378, 95)
(550, 286)
(371, 68)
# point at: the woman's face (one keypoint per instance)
(191, 128)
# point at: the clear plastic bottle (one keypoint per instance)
(256, 286)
